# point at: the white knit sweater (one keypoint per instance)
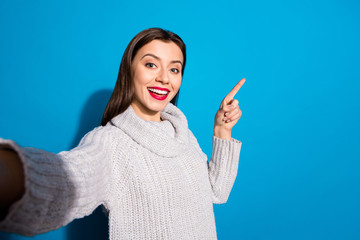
(155, 185)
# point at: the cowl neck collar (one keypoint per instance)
(152, 136)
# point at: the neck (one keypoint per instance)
(145, 113)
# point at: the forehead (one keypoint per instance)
(164, 50)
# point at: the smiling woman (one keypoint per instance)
(157, 78)
(143, 164)
(123, 93)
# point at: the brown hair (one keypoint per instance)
(123, 93)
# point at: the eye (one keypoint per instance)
(150, 65)
(174, 70)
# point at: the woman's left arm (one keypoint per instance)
(223, 164)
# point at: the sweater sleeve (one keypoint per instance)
(222, 167)
(60, 187)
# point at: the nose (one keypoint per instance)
(163, 76)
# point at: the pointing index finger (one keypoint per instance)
(237, 87)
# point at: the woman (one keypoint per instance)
(142, 164)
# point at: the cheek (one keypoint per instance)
(177, 83)
(142, 72)
(141, 78)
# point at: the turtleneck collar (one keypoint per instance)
(152, 136)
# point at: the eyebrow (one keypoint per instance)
(156, 57)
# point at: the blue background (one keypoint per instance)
(299, 170)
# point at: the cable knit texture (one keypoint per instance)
(153, 179)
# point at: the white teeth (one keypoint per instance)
(158, 91)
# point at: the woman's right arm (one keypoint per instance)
(11, 180)
(58, 188)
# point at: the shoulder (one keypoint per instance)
(105, 137)
(99, 133)
(194, 143)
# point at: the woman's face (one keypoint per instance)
(157, 77)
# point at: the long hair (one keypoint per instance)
(123, 93)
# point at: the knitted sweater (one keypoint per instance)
(153, 179)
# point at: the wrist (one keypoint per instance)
(222, 133)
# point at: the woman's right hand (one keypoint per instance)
(12, 185)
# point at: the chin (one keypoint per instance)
(158, 107)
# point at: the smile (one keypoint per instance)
(158, 93)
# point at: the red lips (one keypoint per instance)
(159, 93)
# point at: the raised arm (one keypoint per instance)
(223, 165)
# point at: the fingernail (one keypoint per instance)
(228, 120)
(225, 119)
(227, 113)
